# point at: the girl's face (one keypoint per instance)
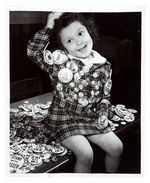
(76, 40)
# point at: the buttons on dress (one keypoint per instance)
(107, 87)
(81, 73)
(95, 75)
(59, 57)
(84, 83)
(93, 82)
(90, 100)
(61, 94)
(65, 75)
(72, 66)
(72, 84)
(59, 87)
(92, 93)
(86, 69)
(83, 102)
(97, 87)
(75, 96)
(81, 94)
(97, 93)
(81, 87)
(77, 76)
(76, 89)
(48, 57)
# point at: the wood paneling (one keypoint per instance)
(28, 17)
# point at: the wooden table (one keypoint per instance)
(66, 159)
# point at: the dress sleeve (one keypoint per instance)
(36, 46)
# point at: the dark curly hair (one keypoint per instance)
(64, 21)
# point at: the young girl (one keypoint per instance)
(81, 80)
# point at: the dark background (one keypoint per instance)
(119, 42)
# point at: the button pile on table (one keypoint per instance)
(29, 146)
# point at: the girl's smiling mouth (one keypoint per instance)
(81, 49)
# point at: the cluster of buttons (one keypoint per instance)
(82, 87)
(25, 157)
(26, 122)
(122, 115)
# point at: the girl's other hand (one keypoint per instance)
(103, 121)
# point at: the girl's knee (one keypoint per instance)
(117, 149)
(85, 155)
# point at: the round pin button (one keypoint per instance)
(77, 76)
(92, 93)
(81, 94)
(81, 73)
(95, 75)
(76, 89)
(97, 87)
(15, 148)
(48, 57)
(74, 96)
(59, 57)
(59, 87)
(93, 82)
(132, 110)
(65, 75)
(107, 87)
(57, 150)
(84, 83)
(54, 159)
(72, 84)
(16, 161)
(81, 87)
(38, 148)
(97, 93)
(83, 102)
(46, 155)
(61, 94)
(86, 69)
(116, 118)
(35, 159)
(72, 66)
(129, 117)
(123, 123)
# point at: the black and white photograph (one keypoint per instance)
(75, 92)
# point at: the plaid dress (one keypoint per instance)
(79, 88)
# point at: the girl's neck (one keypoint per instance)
(94, 57)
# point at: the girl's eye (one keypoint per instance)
(69, 41)
(80, 33)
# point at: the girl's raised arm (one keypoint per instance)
(36, 47)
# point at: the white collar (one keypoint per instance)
(94, 58)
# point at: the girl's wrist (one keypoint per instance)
(103, 113)
(103, 110)
(49, 25)
(51, 19)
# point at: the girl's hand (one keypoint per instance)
(103, 121)
(51, 18)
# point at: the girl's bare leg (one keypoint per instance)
(113, 147)
(80, 146)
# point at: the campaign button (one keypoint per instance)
(48, 57)
(65, 75)
(72, 66)
(107, 87)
